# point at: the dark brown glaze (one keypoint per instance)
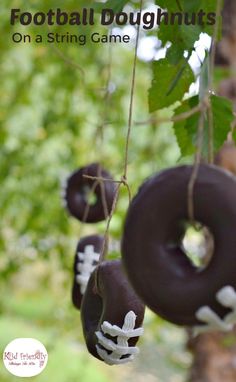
(110, 301)
(97, 242)
(157, 267)
(75, 195)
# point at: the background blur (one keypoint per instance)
(54, 108)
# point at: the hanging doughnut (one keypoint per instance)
(86, 259)
(78, 188)
(156, 264)
(111, 315)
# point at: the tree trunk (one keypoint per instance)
(214, 354)
(226, 49)
(214, 357)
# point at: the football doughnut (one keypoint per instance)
(86, 259)
(156, 264)
(111, 315)
(78, 188)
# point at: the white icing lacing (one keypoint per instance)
(227, 298)
(112, 352)
(88, 261)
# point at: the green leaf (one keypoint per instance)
(174, 54)
(169, 84)
(222, 110)
(192, 5)
(171, 5)
(167, 33)
(182, 37)
(185, 130)
(115, 5)
(211, 7)
(186, 35)
(189, 34)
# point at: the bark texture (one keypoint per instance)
(226, 49)
(214, 358)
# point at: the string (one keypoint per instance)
(132, 99)
(175, 118)
(68, 61)
(194, 174)
(106, 99)
(123, 180)
(88, 205)
(206, 106)
(98, 180)
(90, 193)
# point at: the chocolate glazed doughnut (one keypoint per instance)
(111, 315)
(78, 187)
(86, 259)
(157, 266)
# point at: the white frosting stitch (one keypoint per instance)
(122, 347)
(88, 261)
(227, 298)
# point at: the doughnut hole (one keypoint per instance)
(198, 244)
(89, 196)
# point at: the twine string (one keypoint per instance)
(123, 180)
(98, 180)
(196, 166)
(205, 107)
(104, 116)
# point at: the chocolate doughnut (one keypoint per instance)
(156, 264)
(86, 259)
(77, 189)
(111, 315)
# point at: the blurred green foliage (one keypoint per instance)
(51, 111)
